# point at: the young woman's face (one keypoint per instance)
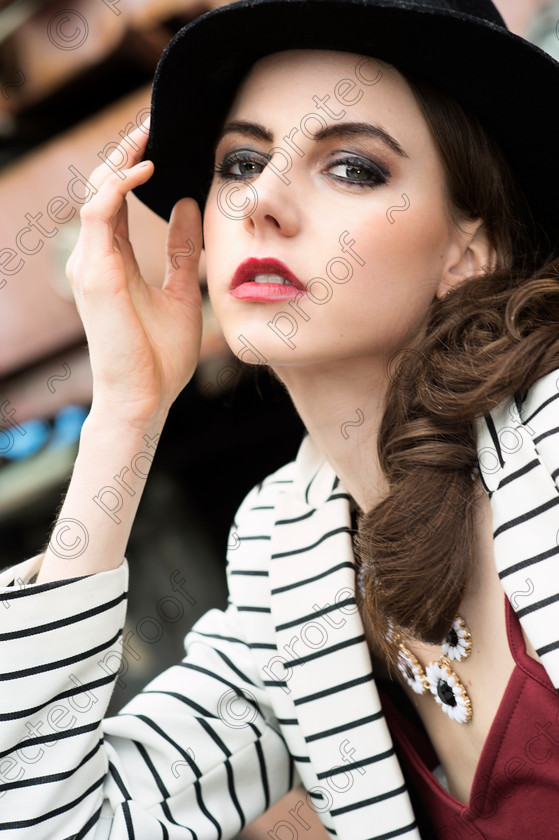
(326, 166)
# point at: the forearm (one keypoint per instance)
(110, 472)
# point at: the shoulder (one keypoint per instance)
(263, 496)
(251, 530)
(308, 478)
(299, 501)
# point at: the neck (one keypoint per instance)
(342, 406)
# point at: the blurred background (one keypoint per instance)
(75, 78)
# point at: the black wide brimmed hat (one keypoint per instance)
(463, 46)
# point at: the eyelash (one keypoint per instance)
(379, 175)
(236, 157)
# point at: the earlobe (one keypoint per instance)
(473, 254)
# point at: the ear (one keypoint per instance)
(471, 253)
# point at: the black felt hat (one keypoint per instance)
(463, 46)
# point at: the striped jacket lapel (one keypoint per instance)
(328, 673)
(518, 450)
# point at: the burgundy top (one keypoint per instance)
(515, 791)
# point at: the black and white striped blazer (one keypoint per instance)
(275, 690)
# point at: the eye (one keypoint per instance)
(358, 171)
(241, 164)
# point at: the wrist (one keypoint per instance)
(110, 473)
(105, 419)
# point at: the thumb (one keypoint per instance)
(184, 246)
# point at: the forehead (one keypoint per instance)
(327, 80)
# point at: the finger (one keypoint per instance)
(184, 246)
(100, 215)
(126, 251)
(121, 227)
(125, 155)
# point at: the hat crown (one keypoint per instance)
(481, 9)
(484, 11)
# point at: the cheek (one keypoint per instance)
(402, 251)
(403, 267)
(416, 240)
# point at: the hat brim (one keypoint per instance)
(509, 83)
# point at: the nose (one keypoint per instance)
(275, 205)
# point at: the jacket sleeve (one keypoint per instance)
(197, 754)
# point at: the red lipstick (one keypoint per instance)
(244, 286)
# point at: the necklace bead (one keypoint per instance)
(438, 677)
(451, 637)
(446, 693)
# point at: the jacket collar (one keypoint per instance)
(320, 633)
(517, 450)
(314, 479)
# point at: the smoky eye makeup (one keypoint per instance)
(345, 167)
(358, 169)
(361, 164)
(240, 163)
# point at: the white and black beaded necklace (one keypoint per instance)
(438, 677)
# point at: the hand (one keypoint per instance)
(144, 341)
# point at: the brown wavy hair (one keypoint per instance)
(488, 339)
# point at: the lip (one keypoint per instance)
(243, 288)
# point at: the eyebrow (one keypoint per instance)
(338, 130)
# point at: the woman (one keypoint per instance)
(365, 239)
